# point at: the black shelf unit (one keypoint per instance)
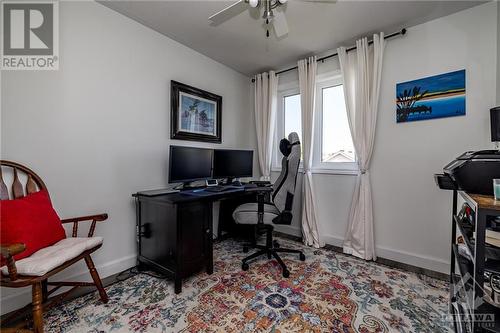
(472, 313)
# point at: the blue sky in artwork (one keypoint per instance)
(437, 83)
(188, 101)
(197, 115)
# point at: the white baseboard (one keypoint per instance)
(19, 299)
(333, 240)
(431, 263)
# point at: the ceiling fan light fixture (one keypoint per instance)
(253, 3)
(268, 15)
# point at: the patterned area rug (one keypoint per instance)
(329, 292)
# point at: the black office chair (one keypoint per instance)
(278, 210)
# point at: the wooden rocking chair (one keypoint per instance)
(40, 292)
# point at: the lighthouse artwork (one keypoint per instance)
(196, 114)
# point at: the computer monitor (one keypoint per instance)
(188, 164)
(231, 164)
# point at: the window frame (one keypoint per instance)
(327, 80)
(279, 132)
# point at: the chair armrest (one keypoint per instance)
(261, 193)
(8, 252)
(93, 218)
(97, 218)
(260, 190)
(12, 249)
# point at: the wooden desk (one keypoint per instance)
(174, 231)
(485, 202)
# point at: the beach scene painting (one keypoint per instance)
(197, 115)
(432, 97)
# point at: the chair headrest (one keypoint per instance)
(294, 138)
(287, 144)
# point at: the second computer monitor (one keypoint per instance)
(231, 164)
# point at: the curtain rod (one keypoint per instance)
(402, 32)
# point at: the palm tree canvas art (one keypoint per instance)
(432, 97)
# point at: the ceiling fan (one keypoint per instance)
(273, 18)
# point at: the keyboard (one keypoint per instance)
(219, 188)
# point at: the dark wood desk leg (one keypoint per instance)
(177, 285)
(210, 255)
(141, 267)
(210, 260)
(210, 241)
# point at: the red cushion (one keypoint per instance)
(30, 220)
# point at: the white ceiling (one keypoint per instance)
(241, 44)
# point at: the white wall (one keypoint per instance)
(413, 213)
(98, 129)
(412, 216)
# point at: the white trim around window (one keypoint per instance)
(279, 133)
(324, 81)
(290, 89)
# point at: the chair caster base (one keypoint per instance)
(245, 267)
(286, 273)
(302, 257)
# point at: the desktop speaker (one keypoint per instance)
(495, 124)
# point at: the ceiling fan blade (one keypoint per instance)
(229, 12)
(280, 24)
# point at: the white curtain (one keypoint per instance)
(361, 71)
(266, 94)
(307, 84)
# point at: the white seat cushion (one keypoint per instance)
(248, 213)
(46, 259)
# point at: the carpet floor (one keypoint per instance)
(329, 292)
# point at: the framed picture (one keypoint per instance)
(196, 114)
(432, 97)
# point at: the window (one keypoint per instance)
(333, 149)
(336, 140)
(292, 116)
(288, 119)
